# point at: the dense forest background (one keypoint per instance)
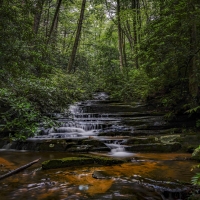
(55, 52)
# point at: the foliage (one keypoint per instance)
(32, 82)
(196, 179)
(160, 47)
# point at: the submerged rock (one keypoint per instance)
(101, 175)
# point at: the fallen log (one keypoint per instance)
(18, 169)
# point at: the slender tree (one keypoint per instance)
(37, 16)
(77, 38)
(194, 58)
(135, 7)
(55, 20)
(120, 39)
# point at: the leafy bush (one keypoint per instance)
(26, 101)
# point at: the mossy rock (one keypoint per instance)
(142, 140)
(191, 139)
(79, 161)
(66, 162)
(4, 141)
(155, 147)
(54, 145)
(21, 145)
(166, 139)
(93, 142)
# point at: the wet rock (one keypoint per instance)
(95, 145)
(105, 160)
(101, 175)
(24, 145)
(100, 149)
(118, 196)
(5, 143)
(141, 140)
(195, 197)
(155, 147)
(53, 145)
(169, 138)
(79, 148)
(92, 142)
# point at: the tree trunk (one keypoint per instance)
(18, 169)
(135, 32)
(193, 65)
(46, 21)
(55, 20)
(124, 50)
(1, 3)
(64, 41)
(37, 17)
(120, 41)
(77, 38)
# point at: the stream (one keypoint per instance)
(103, 127)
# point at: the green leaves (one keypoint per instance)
(19, 115)
(196, 179)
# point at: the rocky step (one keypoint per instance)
(133, 132)
(112, 108)
(116, 114)
(67, 145)
(154, 147)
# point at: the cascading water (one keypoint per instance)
(86, 120)
(98, 125)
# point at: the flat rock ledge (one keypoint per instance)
(80, 161)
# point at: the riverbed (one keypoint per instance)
(145, 176)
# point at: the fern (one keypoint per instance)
(193, 110)
(196, 179)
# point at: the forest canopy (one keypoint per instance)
(54, 52)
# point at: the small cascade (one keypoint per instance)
(118, 149)
(7, 146)
(82, 122)
(107, 122)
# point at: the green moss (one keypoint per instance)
(66, 162)
(168, 138)
(79, 161)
